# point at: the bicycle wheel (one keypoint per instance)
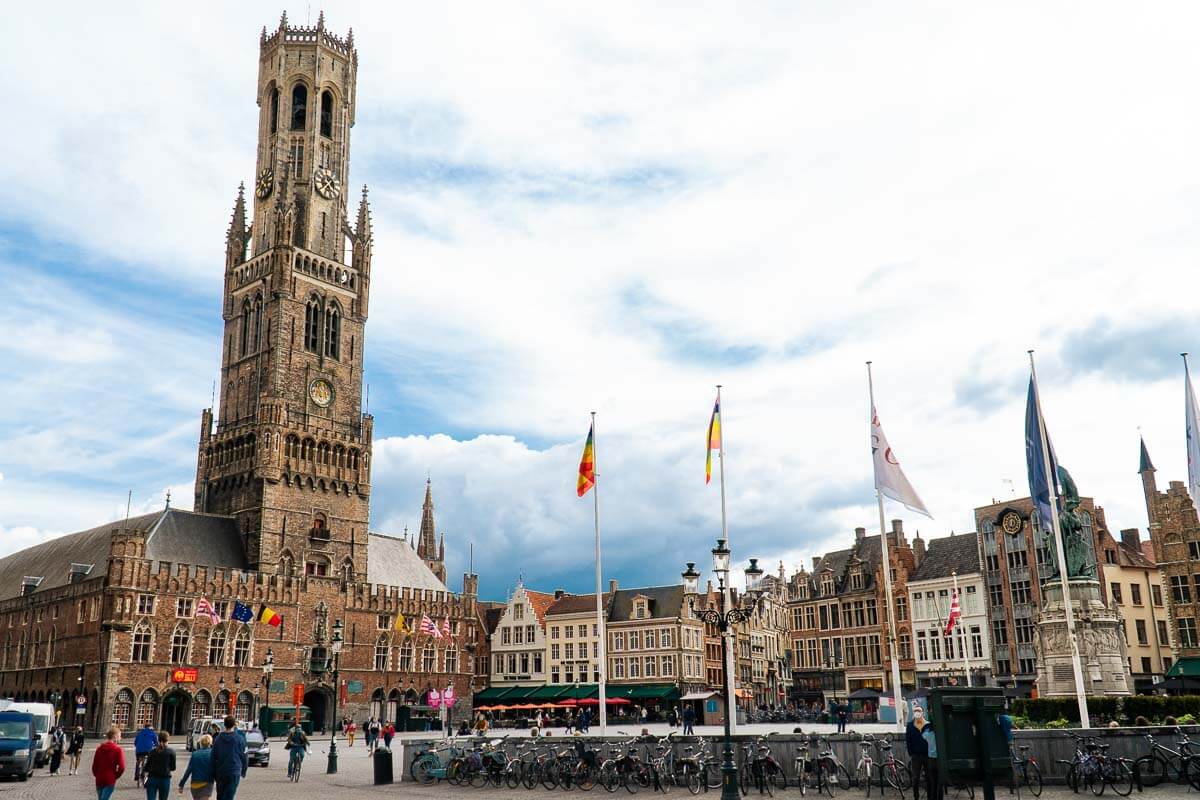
(609, 778)
(744, 779)
(712, 775)
(1191, 770)
(585, 776)
(843, 775)
(1097, 778)
(454, 771)
(476, 778)
(777, 779)
(1152, 769)
(802, 777)
(421, 770)
(529, 775)
(549, 776)
(630, 780)
(1033, 778)
(512, 775)
(899, 777)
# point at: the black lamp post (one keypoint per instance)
(723, 620)
(336, 646)
(268, 668)
(228, 701)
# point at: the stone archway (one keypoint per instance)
(319, 701)
(176, 712)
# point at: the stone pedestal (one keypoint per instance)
(1102, 651)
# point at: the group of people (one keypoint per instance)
(218, 763)
(373, 731)
(65, 744)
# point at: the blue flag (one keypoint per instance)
(1043, 488)
(241, 613)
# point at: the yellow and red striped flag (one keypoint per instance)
(587, 464)
(714, 439)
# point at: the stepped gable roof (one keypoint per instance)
(948, 554)
(577, 603)
(666, 602)
(539, 602)
(391, 561)
(172, 535)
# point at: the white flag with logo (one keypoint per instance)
(889, 478)
(1191, 414)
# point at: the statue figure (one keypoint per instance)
(1077, 547)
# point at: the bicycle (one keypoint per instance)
(139, 771)
(1026, 771)
(295, 762)
(865, 768)
(1161, 762)
(897, 774)
(428, 766)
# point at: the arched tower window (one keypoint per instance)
(180, 641)
(216, 646)
(256, 326)
(274, 109)
(244, 342)
(312, 322)
(405, 663)
(141, 642)
(382, 650)
(327, 113)
(300, 231)
(333, 331)
(299, 106)
(241, 647)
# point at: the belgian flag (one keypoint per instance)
(265, 614)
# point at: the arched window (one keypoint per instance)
(348, 571)
(181, 640)
(286, 564)
(222, 707)
(333, 331)
(216, 646)
(244, 342)
(256, 326)
(202, 705)
(312, 323)
(299, 106)
(274, 109)
(241, 647)
(320, 527)
(405, 663)
(123, 708)
(327, 113)
(147, 711)
(245, 705)
(141, 642)
(382, 651)
(300, 226)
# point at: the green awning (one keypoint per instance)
(1187, 667)
(654, 691)
(549, 692)
(584, 690)
(489, 695)
(519, 694)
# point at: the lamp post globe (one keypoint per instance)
(335, 645)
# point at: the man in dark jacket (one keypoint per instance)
(917, 736)
(229, 760)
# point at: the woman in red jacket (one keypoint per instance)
(108, 764)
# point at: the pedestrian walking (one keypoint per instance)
(389, 731)
(229, 760)
(842, 713)
(160, 764)
(199, 773)
(351, 729)
(58, 745)
(108, 764)
(75, 750)
(376, 733)
(689, 719)
(922, 748)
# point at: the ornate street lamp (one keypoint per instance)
(268, 668)
(336, 646)
(724, 619)
(228, 701)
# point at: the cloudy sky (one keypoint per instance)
(614, 207)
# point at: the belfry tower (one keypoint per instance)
(290, 453)
(431, 551)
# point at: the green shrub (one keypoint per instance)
(1059, 723)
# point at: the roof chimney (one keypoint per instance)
(860, 534)
(558, 593)
(918, 548)
(612, 585)
(898, 531)
(1131, 538)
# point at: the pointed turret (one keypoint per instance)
(362, 226)
(283, 20)
(321, 20)
(236, 237)
(1149, 485)
(1144, 463)
(427, 539)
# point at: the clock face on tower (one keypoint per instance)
(265, 184)
(328, 185)
(320, 392)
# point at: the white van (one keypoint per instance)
(201, 726)
(43, 718)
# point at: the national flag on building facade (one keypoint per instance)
(890, 480)
(402, 624)
(241, 612)
(268, 616)
(429, 627)
(446, 628)
(714, 439)
(955, 613)
(587, 464)
(204, 609)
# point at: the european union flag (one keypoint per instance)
(1043, 488)
(241, 613)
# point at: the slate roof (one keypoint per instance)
(491, 617)
(173, 535)
(666, 602)
(577, 603)
(948, 554)
(391, 561)
(866, 549)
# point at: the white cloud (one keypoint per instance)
(598, 208)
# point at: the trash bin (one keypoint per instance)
(383, 766)
(971, 745)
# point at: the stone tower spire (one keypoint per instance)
(236, 237)
(427, 541)
(1149, 485)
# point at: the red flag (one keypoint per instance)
(955, 613)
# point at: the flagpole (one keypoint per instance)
(887, 581)
(1052, 480)
(962, 629)
(727, 598)
(601, 631)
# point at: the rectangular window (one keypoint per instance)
(582, 631)
(999, 632)
(976, 642)
(935, 648)
(667, 638)
(1156, 595)
(183, 607)
(922, 647)
(810, 618)
(1162, 632)
(824, 618)
(554, 632)
(971, 602)
(1017, 559)
(1146, 664)
(618, 668)
(618, 643)
(506, 635)
(635, 667)
(1194, 550)
(530, 633)
(1187, 632)
(1135, 594)
(297, 159)
(518, 635)
(1020, 591)
(554, 652)
(145, 604)
(524, 663)
(834, 622)
(651, 667)
(651, 638)
(1181, 590)
(1027, 666)
(635, 641)
(1140, 627)
(996, 595)
(519, 611)
(901, 609)
(512, 663)
(554, 675)
(383, 621)
(569, 650)
(537, 662)
(1025, 628)
(1003, 666)
(993, 563)
(1115, 589)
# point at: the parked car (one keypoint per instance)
(258, 749)
(201, 726)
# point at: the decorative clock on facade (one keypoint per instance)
(327, 183)
(1010, 523)
(265, 184)
(320, 392)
